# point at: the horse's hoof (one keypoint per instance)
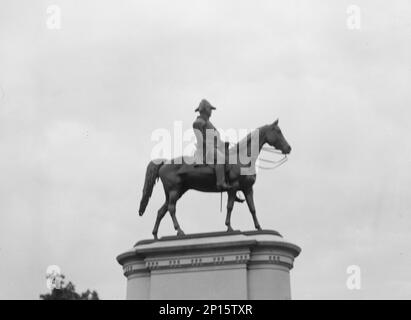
(229, 229)
(155, 236)
(258, 227)
(180, 233)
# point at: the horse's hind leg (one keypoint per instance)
(160, 214)
(173, 197)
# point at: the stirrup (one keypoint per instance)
(224, 187)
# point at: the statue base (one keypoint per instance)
(218, 265)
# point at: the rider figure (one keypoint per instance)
(210, 147)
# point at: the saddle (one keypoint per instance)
(203, 168)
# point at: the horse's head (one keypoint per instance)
(275, 138)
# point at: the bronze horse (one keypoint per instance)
(203, 178)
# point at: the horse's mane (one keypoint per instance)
(244, 142)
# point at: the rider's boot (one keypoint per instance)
(222, 185)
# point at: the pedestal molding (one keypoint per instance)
(254, 264)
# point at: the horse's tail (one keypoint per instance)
(151, 178)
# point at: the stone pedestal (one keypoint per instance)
(219, 265)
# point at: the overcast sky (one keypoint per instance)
(78, 106)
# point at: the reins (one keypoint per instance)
(278, 163)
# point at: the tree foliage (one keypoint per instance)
(68, 292)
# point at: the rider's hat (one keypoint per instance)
(204, 105)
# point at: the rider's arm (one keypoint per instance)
(199, 124)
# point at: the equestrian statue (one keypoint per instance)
(215, 167)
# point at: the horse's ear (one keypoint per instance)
(275, 123)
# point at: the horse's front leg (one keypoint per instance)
(249, 197)
(230, 206)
